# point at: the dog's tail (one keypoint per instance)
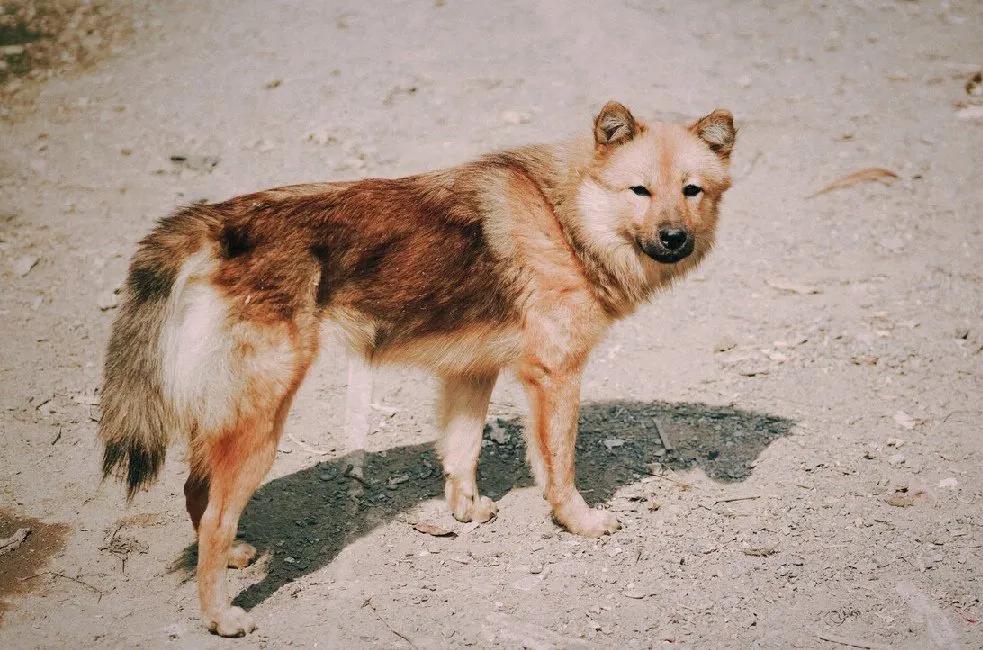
(138, 418)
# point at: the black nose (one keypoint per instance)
(673, 238)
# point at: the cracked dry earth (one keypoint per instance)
(790, 437)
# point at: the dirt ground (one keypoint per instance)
(819, 379)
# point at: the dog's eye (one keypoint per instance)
(640, 190)
(692, 190)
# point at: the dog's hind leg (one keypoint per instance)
(462, 412)
(235, 456)
(238, 459)
(241, 553)
(358, 405)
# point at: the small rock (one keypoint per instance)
(195, 163)
(497, 432)
(893, 244)
(904, 420)
(261, 145)
(536, 569)
(516, 117)
(896, 460)
(949, 483)
(902, 498)
(23, 265)
(12, 50)
(724, 344)
(751, 368)
(760, 551)
(864, 360)
(107, 300)
(970, 113)
(396, 481)
(435, 530)
(613, 443)
(778, 357)
(322, 136)
(13, 542)
(897, 443)
(974, 87)
(793, 287)
(273, 83)
(929, 561)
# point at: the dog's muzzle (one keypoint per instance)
(671, 245)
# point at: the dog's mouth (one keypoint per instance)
(660, 253)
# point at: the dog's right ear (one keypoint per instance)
(717, 130)
(614, 124)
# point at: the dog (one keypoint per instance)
(519, 260)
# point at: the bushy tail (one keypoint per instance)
(137, 421)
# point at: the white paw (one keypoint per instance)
(469, 508)
(231, 622)
(241, 554)
(480, 510)
(585, 521)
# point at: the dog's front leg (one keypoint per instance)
(462, 411)
(554, 399)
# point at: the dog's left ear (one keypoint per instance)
(717, 130)
(614, 124)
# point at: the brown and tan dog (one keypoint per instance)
(519, 260)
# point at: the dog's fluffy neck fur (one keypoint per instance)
(619, 275)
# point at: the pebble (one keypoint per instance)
(896, 459)
(904, 420)
(516, 117)
(497, 432)
(107, 300)
(536, 569)
(613, 443)
(321, 136)
(971, 113)
(724, 344)
(23, 265)
(949, 483)
(395, 481)
(893, 244)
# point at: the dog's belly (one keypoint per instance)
(472, 349)
(475, 350)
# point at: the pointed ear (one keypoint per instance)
(614, 124)
(717, 130)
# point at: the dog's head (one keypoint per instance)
(653, 189)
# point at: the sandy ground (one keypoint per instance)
(819, 378)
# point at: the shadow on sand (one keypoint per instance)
(304, 519)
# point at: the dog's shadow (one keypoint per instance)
(304, 519)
